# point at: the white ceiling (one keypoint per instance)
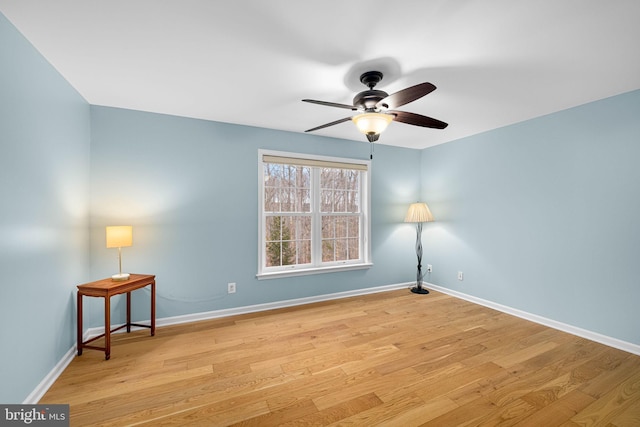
(495, 62)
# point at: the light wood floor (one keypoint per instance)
(392, 358)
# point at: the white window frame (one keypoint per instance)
(316, 240)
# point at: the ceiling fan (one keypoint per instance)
(376, 108)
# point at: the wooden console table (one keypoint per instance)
(106, 288)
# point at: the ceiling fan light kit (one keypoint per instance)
(377, 108)
(372, 123)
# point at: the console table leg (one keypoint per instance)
(107, 327)
(79, 322)
(128, 312)
(153, 308)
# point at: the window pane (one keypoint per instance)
(288, 240)
(326, 178)
(272, 228)
(271, 199)
(341, 249)
(340, 190)
(339, 204)
(304, 230)
(296, 228)
(327, 250)
(288, 253)
(340, 238)
(326, 201)
(303, 200)
(275, 250)
(328, 227)
(354, 248)
(304, 252)
(274, 254)
(353, 202)
(290, 200)
(340, 226)
(286, 188)
(353, 225)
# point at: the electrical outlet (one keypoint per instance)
(460, 276)
(231, 288)
(429, 268)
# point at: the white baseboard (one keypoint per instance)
(44, 385)
(35, 396)
(274, 305)
(574, 330)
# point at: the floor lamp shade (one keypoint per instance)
(119, 236)
(419, 213)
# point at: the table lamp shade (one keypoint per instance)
(418, 212)
(119, 236)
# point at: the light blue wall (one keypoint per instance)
(544, 216)
(190, 189)
(44, 239)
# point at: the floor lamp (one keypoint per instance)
(419, 213)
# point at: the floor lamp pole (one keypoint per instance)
(418, 289)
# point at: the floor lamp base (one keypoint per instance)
(417, 290)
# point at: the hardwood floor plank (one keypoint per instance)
(205, 415)
(470, 414)
(339, 411)
(628, 418)
(391, 359)
(428, 388)
(524, 354)
(624, 398)
(352, 385)
(279, 417)
(559, 409)
(614, 372)
(386, 414)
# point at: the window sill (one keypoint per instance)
(315, 270)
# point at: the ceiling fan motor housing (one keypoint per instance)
(368, 99)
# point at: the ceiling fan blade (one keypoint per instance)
(346, 119)
(331, 104)
(418, 120)
(405, 96)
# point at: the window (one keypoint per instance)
(314, 214)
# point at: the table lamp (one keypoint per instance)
(119, 236)
(419, 213)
